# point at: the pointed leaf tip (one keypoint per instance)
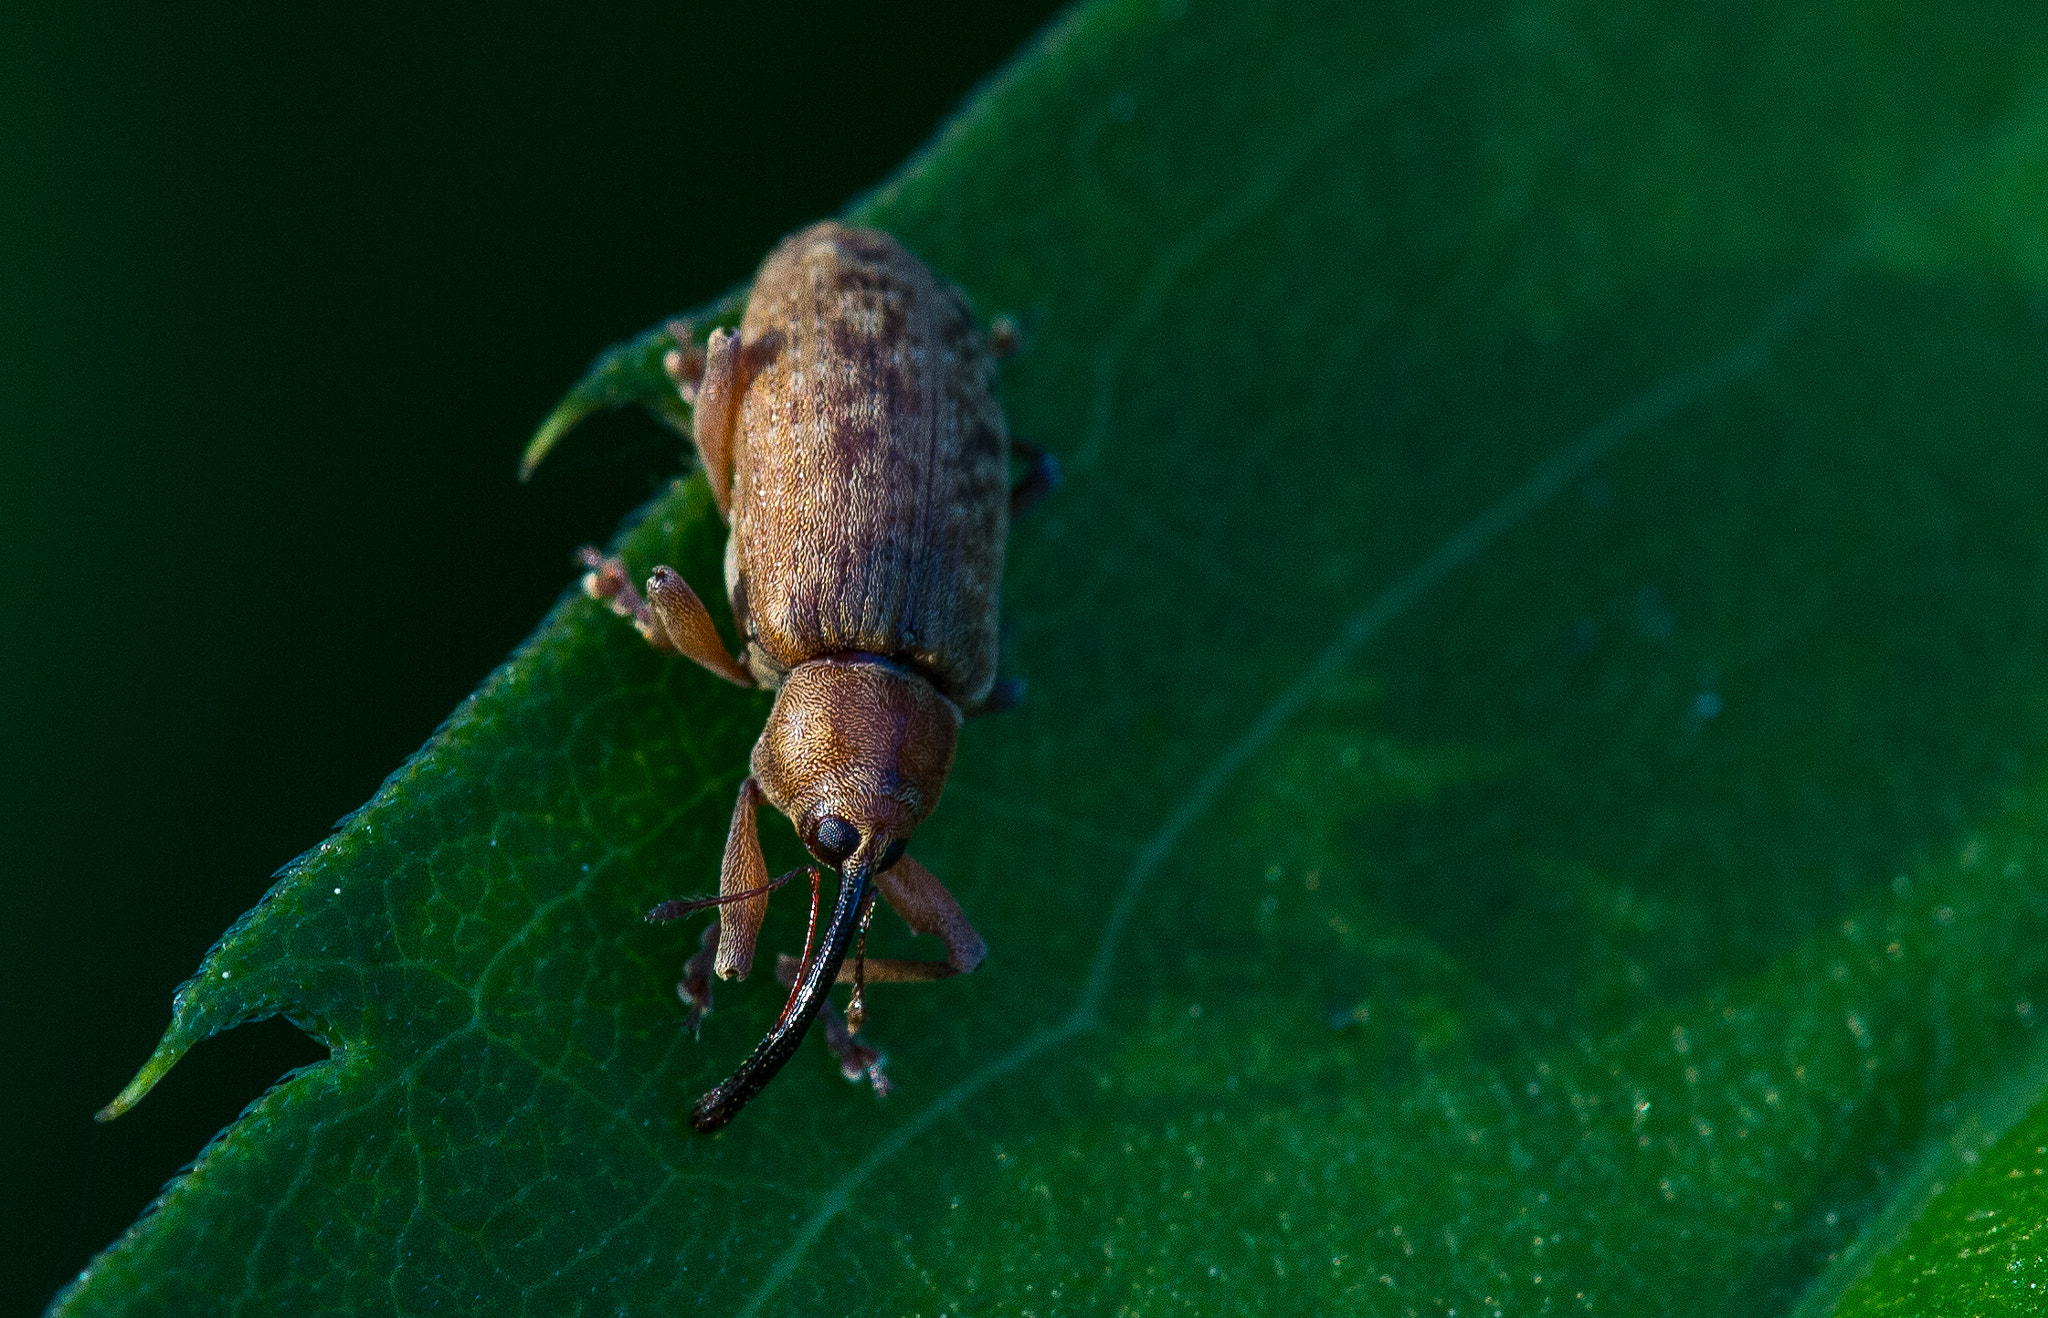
(160, 1062)
(560, 422)
(630, 372)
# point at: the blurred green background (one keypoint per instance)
(282, 292)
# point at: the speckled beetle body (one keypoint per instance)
(853, 440)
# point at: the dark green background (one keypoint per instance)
(284, 290)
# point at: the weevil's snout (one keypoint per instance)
(856, 752)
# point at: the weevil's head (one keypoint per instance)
(855, 752)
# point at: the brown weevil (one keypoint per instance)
(854, 444)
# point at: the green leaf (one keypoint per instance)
(1978, 1248)
(1531, 794)
(630, 372)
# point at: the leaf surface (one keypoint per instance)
(1530, 793)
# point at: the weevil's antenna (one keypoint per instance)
(810, 932)
(682, 906)
(857, 1007)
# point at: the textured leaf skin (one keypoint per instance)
(1979, 1247)
(1530, 794)
(441, 943)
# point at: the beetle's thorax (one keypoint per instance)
(860, 737)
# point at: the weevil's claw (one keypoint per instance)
(1004, 338)
(695, 986)
(699, 1009)
(856, 1059)
(873, 1069)
(604, 577)
(605, 581)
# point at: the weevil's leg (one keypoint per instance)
(716, 413)
(684, 363)
(1041, 478)
(1006, 694)
(743, 871)
(856, 1059)
(672, 618)
(688, 624)
(927, 908)
(695, 986)
(856, 1007)
(728, 369)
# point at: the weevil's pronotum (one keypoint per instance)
(853, 441)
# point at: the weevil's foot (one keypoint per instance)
(684, 363)
(1004, 338)
(700, 1007)
(695, 986)
(605, 581)
(855, 1058)
(882, 1087)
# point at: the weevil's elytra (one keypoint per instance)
(853, 441)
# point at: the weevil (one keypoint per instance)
(854, 444)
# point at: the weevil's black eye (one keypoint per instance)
(834, 839)
(891, 856)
